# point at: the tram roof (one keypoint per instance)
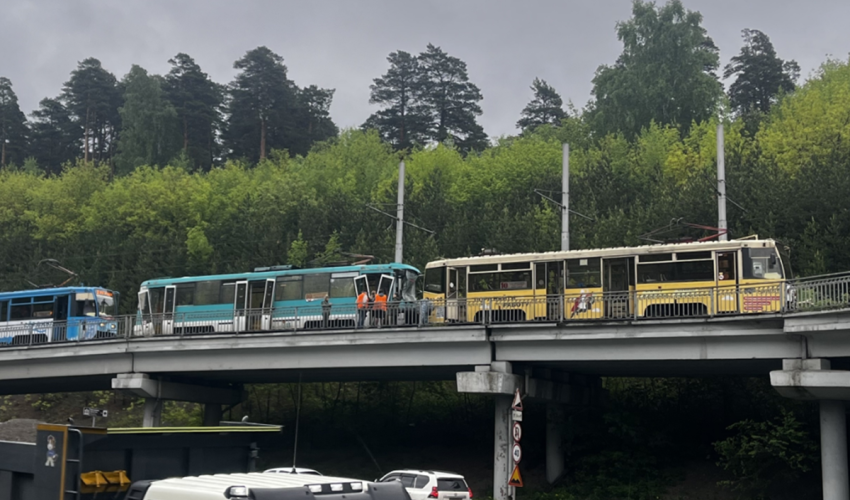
(272, 274)
(606, 252)
(41, 292)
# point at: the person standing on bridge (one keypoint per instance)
(362, 308)
(326, 312)
(380, 308)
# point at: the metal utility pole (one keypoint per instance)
(565, 203)
(399, 224)
(721, 183)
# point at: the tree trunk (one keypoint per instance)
(86, 137)
(262, 138)
(185, 135)
(3, 155)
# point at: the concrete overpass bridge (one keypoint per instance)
(804, 348)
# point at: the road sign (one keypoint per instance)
(93, 412)
(516, 415)
(516, 478)
(517, 404)
(516, 453)
(516, 430)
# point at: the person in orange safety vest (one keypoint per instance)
(362, 308)
(380, 308)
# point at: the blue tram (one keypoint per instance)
(57, 314)
(270, 298)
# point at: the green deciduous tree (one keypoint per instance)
(665, 74)
(403, 121)
(93, 97)
(54, 136)
(197, 101)
(149, 123)
(545, 108)
(760, 76)
(13, 126)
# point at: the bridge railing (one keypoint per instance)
(817, 293)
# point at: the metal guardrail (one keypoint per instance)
(788, 297)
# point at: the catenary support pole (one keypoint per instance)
(153, 413)
(721, 183)
(554, 449)
(833, 450)
(565, 201)
(399, 228)
(213, 414)
(501, 459)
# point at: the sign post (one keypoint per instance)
(515, 478)
(94, 413)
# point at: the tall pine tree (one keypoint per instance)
(450, 100)
(197, 101)
(262, 106)
(545, 108)
(13, 126)
(759, 74)
(93, 97)
(55, 136)
(148, 123)
(314, 121)
(403, 122)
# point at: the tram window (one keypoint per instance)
(655, 273)
(20, 311)
(186, 295)
(435, 280)
(541, 276)
(516, 265)
(4, 306)
(42, 310)
(21, 300)
(342, 287)
(761, 263)
(659, 257)
(486, 282)
(693, 255)
(316, 286)
(228, 293)
(289, 288)
(583, 273)
(483, 267)
(206, 293)
(698, 270)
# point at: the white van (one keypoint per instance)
(259, 486)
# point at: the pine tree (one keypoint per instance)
(450, 100)
(545, 108)
(93, 97)
(197, 101)
(13, 126)
(314, 121)
(262, 106)
(760, 74)
(55, 136)
(149, 123)
(403, 122)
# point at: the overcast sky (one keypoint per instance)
(343, 44)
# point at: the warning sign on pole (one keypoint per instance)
(516, 478)
(517, 404)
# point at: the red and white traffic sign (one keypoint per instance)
(516, 430)
(516, 453)
(517, 404)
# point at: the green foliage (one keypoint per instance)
(762, 454)
(13, 126)
(298, 251)
(93, 98)
(665, 74)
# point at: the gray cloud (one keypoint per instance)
(343, 44)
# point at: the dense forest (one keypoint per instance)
(146, 176)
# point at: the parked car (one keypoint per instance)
(429, 484)
(293, 470)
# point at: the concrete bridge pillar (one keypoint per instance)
(813, 380)
(501, 449)
(554, 442)
(833, 450)
(153, 413)
(155, 391)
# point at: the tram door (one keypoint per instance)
(60, 319)
(259, 305)
(456, 296)
(727, 283)
(240, 302)
(168, 311)
(615, 287)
